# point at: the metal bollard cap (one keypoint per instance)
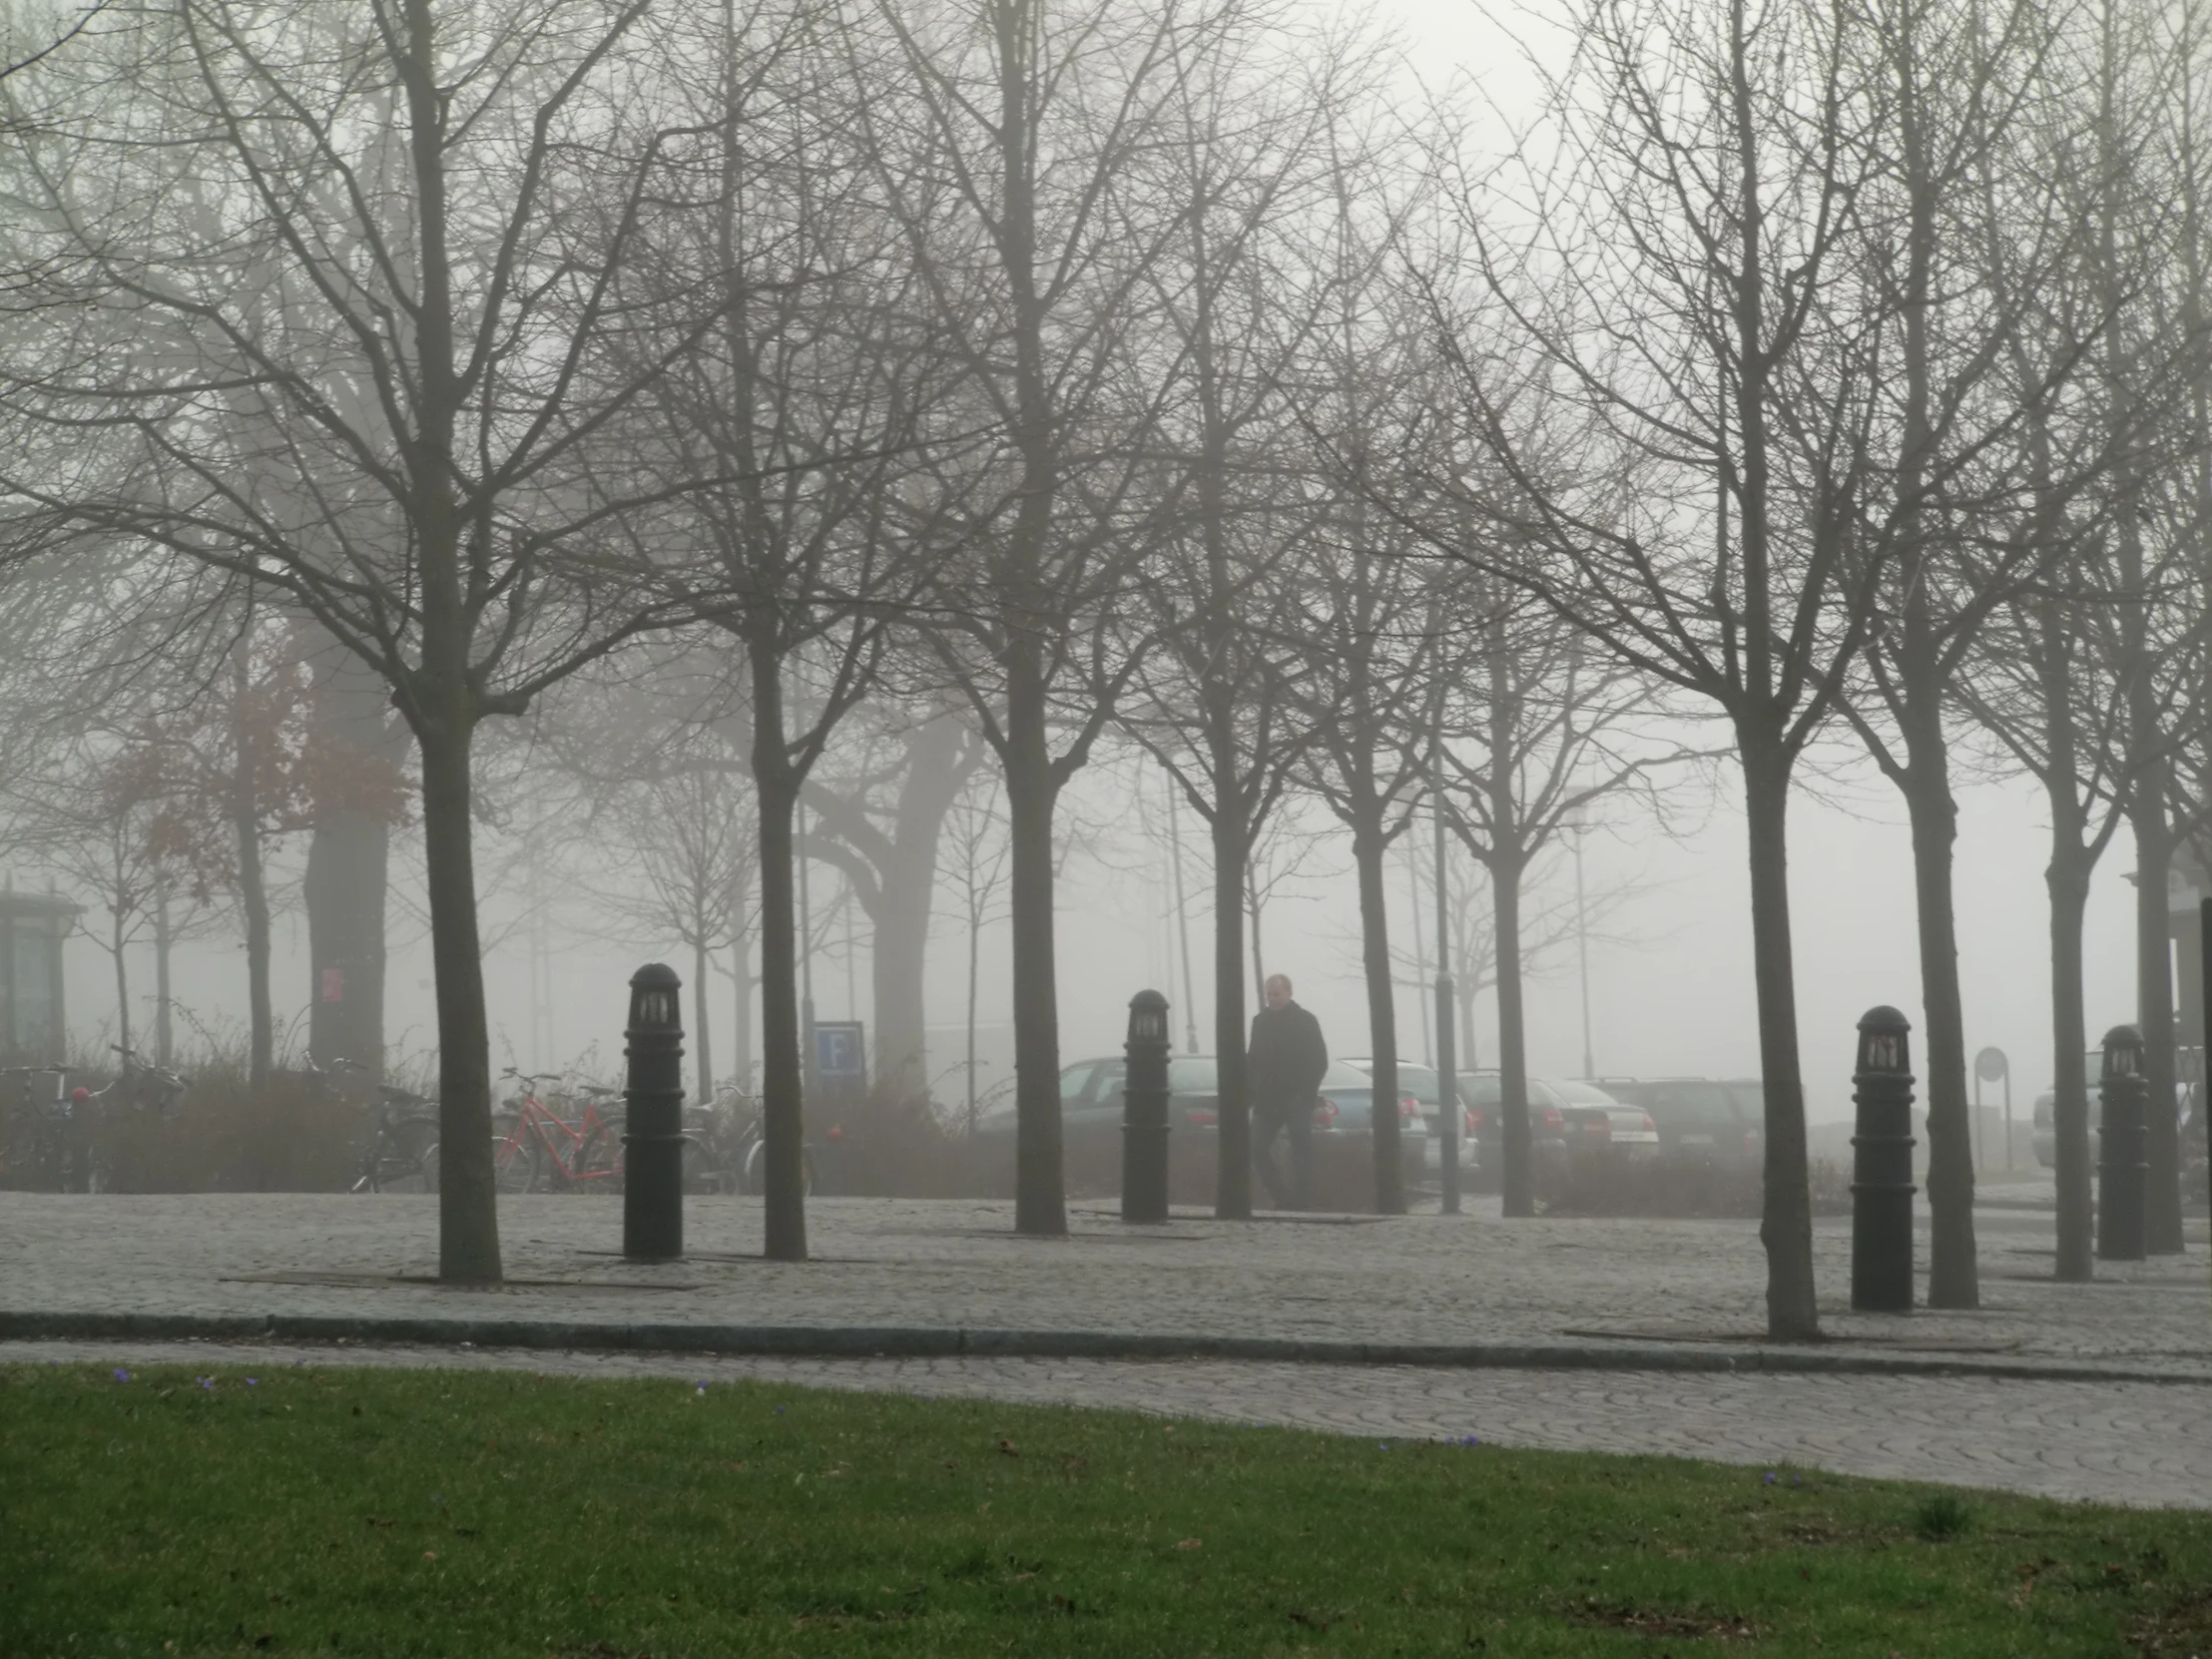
(654, 1003)
(1148, 1017)
(1885, 1043)
(2123, 1053)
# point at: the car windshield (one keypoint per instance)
(1193, 1074)
(1692, 1106)
(1582, 1094)
(1342, 1076)
(1751, 1098)
(1417, 1082)
(1483, 1088)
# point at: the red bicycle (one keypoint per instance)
(535, 1149)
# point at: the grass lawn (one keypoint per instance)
(476, 1513)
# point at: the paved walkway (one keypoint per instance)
(2136, 1444)
(1567, 1286)
(1597, 1293)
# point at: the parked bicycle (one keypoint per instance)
(403, 1152)
(49, 1145)
(535, 1149)
(733, 1134)
(61, 1140)
(139, 1085)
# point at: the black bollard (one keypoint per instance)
(653, 1149)
(1882, 1166)
(1144, 1110)
(2123, 1167)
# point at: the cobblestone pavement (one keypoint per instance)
(2137, 1443)
(1415, 1278)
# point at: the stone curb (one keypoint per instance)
(834, 1341)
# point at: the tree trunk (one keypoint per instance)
(348, 872)
(1040, 1205)
(1368, 852)
(898, 970)
(254, 901)
(1252, 909)
(940, 763)
(782, 1078)
(2066, 877)
(165, 1043)
(1952, 1278)
(974, 961)
(115, 941)
(468, 1221)
(1786, 1225)
(741, 976)
(2154, 988)
(1512, 1059)
(701, 1038)
(348, 858)
(1233, 1086)
(246, 821)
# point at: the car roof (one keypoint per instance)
(1579, 1092)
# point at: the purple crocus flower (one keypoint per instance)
(122, 1375)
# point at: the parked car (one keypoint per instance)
(1482, 1095)
(1703, 1123)
(1578, 1133)
(1417, 1090)
(2045, 1135)
(1602, 1130)
(1091, 1139)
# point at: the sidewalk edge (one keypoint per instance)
(828, 1341)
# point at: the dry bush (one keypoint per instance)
(881, 1146)
(299, 1134)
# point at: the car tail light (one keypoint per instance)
(1473, 1119)
(1650, 1128)
(1325, 1113)
(1198, 1117)
(1408, 1108)
(1553, 1119)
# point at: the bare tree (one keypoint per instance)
(807, 397)
(1238, 305)
(1553, 722)
(1948, 482)
(369, 328)
(1671, 391)
(1019, 151)
(880, 822)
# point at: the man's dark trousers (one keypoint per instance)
(1296, 1126)
(1289, 1058)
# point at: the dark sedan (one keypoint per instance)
(1703, 1123)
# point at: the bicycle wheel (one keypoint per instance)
(755, 1170)
(514, 1156)
(20, 1152)
(403, 1162)
(699, 1169)
(599, 1159)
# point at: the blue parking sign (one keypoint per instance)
(840, 1053)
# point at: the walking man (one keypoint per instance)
(1288, 1058)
